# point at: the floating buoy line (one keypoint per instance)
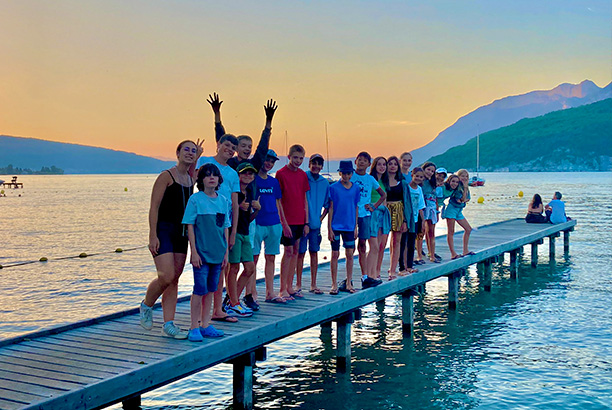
(81, 255)
(488, 198)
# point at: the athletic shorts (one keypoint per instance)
(242, 250)
(348, 240)
(171, 239)
(206, 278)
(311, 242)
(363, 227)
(270, 235)
(297, 231)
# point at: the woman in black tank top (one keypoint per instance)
(167, 239)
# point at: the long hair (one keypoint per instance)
(463, 172)
(536, 201)
(448, 181)
(207, 170)
(373, 170)
(432, 180)
(398, 174)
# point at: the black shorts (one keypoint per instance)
(171, 238)
(297, 231)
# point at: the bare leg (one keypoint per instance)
(382, 244)
(207, 309)
(299, 268)
(298, 280)
(467, 229)
(363, 256)
(251, 288)
(334, 269)
(395, 251)
(269, 272)
(218, 296)
(245, 277)
(372, 257)
(231, 283)
(418, 248)
(450, 223)
(284, 269)
(349, 266)
(196, 311)
(314, 267)
(292, 265)
(169, 268)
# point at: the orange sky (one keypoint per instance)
(386, 76)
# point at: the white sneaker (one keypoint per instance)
(146, 316)
(171, 330)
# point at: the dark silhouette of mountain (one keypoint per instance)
(575, 139)
(509, 110)
(75, 159)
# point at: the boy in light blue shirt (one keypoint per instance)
(318, 199)
(555, 210)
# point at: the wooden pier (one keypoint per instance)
(13, 184)
(110, 359)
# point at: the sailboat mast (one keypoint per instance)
(477, 150)
(286, 147)
(327, 146)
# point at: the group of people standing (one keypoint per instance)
(240, 208)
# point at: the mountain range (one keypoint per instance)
(75, 159)
(574, 139)
(509, 110)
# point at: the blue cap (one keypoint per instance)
(346, 166)
(272, 154)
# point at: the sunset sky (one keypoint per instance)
(387, 76)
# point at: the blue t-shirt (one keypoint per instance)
(558, 211)
(418, 201)
(268, 191)
(344, 202)
(209, 217)
(231, 182)
(366, 183)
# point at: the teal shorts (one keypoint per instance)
(242, 250)
(453, 212)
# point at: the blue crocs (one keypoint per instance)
(210, 331)
(195, 335)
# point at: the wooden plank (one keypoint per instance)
(48, 374)
(17, 396)
(35, 364)
(40, 381)
(31, 389)
(9, 404)
(88, 349)
(119, 343)
(44, 359)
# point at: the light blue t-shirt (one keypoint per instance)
(210, 218)
(344, 202)
(231, 182)
(418, 201)
(366, 183)
(558, 211)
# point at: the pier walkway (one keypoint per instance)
(98, 362)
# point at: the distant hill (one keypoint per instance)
(75, 159)
(575, 139)
(509, 110)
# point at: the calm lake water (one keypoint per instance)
(542, 343)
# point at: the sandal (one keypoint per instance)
(333, 292)
(297, 294)
(456, 257)
(276, 299)
(316, 291)
(468, 254)
(228, 319)
(351, 290)
(392, 277)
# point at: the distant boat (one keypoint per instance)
(476, 180)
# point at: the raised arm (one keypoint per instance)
(215, 104)
(264, 142)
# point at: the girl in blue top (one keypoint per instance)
(457, 185)
(207, 220)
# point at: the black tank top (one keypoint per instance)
(172, 206)
(395, 193)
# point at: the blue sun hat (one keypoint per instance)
(346, 167)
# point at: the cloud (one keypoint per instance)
(390, 123)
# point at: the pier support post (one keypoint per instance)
(243, 381)
(514, 265)
(534, 253)
(343, 342)
(453, 289)
(566, 241)
(487, 274)
(551, 245)
(408, 312)
(132, 403)
(380, 304)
